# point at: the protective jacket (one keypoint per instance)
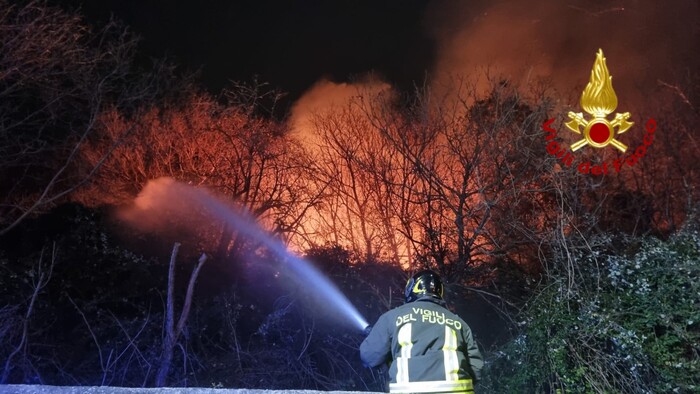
(431, 349)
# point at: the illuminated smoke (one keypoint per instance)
(325, 97)
(650, 47)
(645, 42)
(163, 203)
(324, 106)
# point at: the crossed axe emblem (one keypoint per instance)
(598, 132)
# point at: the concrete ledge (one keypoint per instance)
(42, 389)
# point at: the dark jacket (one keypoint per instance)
(430, 348)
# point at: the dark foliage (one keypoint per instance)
(99, 320)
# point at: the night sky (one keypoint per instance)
(288, 44)
(294, 44)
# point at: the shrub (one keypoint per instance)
(629, 323)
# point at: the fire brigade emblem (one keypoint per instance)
(599, 100)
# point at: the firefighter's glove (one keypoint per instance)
(366, 331)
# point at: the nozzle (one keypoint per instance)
(367, 330)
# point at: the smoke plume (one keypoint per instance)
(645, 42)
(325, 97)
(173, 210)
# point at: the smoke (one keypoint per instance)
(162, 203)
(325, 97)
(645, 41)
(174, 211)
(650, 46)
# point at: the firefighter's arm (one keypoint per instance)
(476, 361)
(376, 348)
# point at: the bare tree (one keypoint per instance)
(226, 147)
(172, 330)
(57, 78)
(361, 175)
(40, 277)
(441, 180)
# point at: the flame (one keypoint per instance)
(598, 98)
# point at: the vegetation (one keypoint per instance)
(570, 281)
(629, 325)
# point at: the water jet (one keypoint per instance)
(171, 196)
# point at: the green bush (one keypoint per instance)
(616, 322)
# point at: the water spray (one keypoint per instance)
(245, 224)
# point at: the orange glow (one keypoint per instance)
(550, 42)
(375, 201)
(327, 97)
(329, 121)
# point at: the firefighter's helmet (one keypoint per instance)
(424, 283)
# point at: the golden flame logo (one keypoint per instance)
(599, 99)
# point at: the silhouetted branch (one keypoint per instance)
(40, 279)
(172, 332)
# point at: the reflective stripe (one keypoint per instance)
(404, 338)
(449, 350)
(464, 385)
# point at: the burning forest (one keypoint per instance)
(157, 232)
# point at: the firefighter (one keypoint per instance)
(431, 349)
